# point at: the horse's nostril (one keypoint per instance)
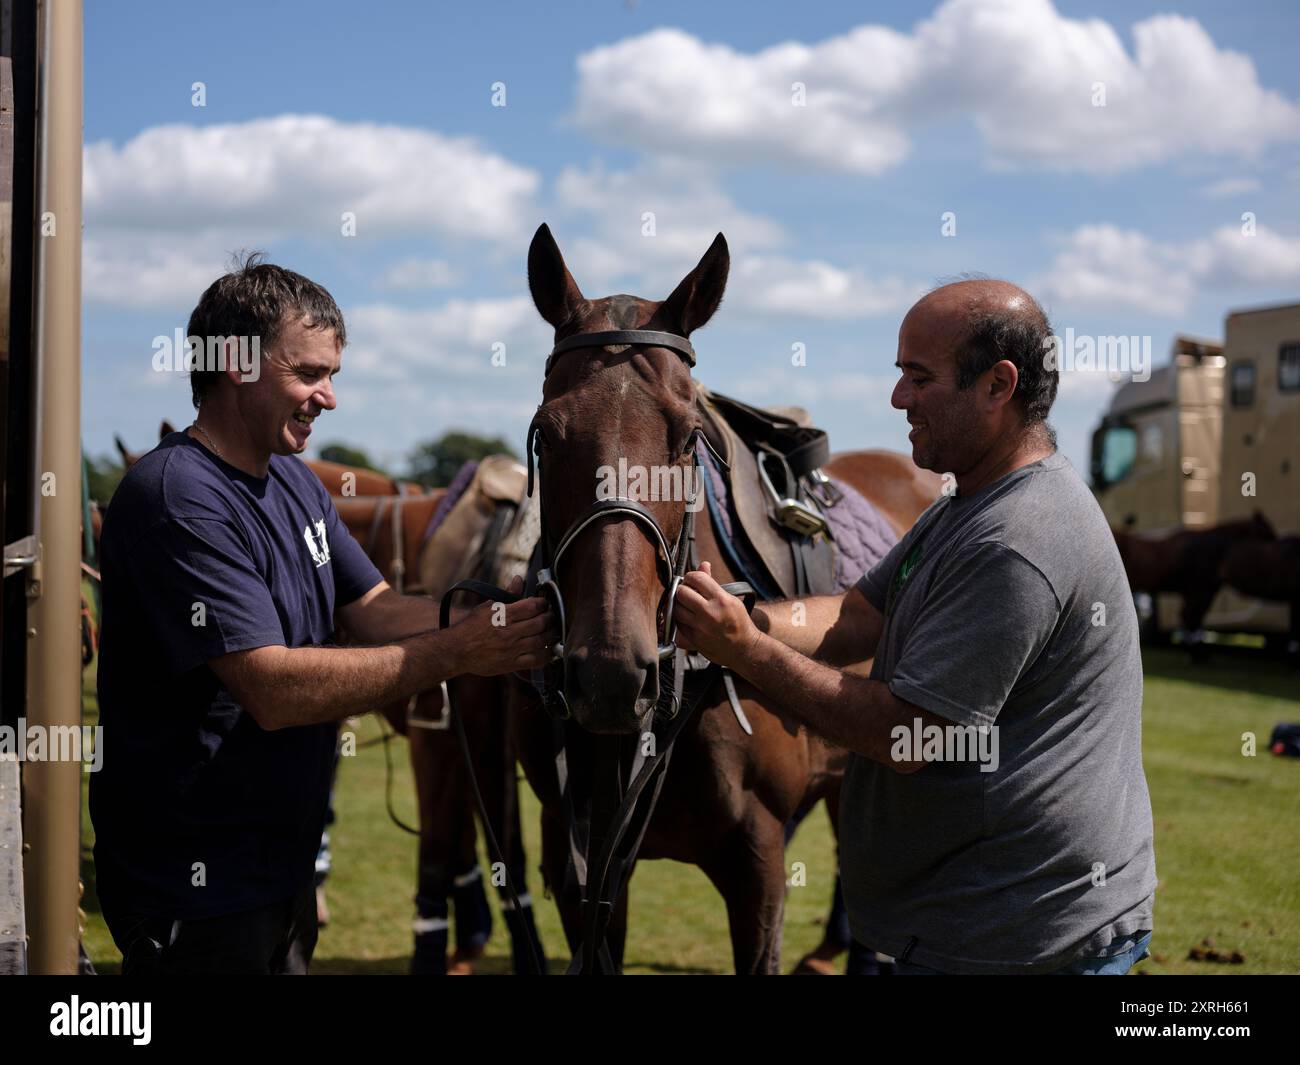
(610, 682)
(650, 686)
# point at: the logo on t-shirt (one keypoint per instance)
(902, 575)
(320, 553)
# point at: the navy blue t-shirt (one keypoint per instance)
(198, 811)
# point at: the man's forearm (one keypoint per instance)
(310, 685)
(817, 627)
(853, 712)
(394, 616)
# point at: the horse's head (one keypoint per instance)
(616, 421)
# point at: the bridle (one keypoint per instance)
(671, 561)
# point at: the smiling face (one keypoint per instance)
(945, 420)
(294, 386)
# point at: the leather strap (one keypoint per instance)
(611, 337)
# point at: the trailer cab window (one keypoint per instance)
(1118, 453)
(1288, 368)
(1152, 451)
(1242, 384)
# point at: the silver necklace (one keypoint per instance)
(216, 450)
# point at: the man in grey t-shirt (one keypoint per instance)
(996, 818)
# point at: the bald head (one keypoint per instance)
(960, 302)
(975, 379)
(983, 321)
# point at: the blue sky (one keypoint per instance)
(1124, 219)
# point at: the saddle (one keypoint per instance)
(458, 538)
(772, 495)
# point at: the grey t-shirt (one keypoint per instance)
(1007, 608)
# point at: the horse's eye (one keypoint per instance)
(688, 445)
(544, 438)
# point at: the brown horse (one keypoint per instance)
(1187, 562)
(1268, 569)
(727, 795)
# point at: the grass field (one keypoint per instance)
(1224, 823)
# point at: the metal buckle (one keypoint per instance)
(790, 513)
(823, 489)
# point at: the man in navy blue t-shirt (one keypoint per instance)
(226, 571)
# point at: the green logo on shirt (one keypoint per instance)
(902, 574)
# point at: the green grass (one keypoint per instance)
(1226, 861)
(1224, 823)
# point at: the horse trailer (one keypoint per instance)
(1209, 438)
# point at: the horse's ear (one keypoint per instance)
(555, 293)
(165, 430)
(121, 449)
(697, 297)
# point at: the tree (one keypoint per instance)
(348, 456)
(436, 462)
(102, 477)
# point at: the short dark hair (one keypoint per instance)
(1022, 336)
(256, 299)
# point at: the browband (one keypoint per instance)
(671, 341)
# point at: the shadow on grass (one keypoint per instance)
(1237, 669)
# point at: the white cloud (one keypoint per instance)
(1103, 267)
(671, 93)
(773, 285)
(454, 340)
(411, 375)
(1231, 259)
(1238, 186)
(416, 273)
(299, 173)
(144, 273)
(689, 209)
(1022, 72)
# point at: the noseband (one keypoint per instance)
(671, 562)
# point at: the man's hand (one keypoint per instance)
(499, 638)
(712, 621)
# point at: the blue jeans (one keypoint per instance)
(1131, 950)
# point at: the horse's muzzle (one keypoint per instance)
(610, 692)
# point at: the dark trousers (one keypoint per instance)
(275, 940)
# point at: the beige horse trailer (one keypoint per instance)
(1210, 438)
(1156, 453)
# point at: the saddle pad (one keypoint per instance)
(861, 534)
(515, 550)
(454, 491)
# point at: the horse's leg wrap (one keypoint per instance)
(521, 924)
(431, 924)
(473, 916)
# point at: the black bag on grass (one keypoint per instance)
(1285, 739)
